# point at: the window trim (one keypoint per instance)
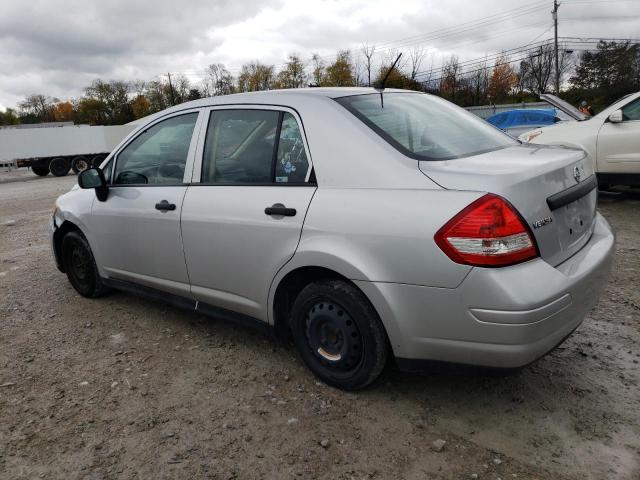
(281, 109)
(637, 99)
(188, 168)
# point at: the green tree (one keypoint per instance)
(109, 102)
(255, 76)
(607, 74)
(340, 72)
(9, 117)
(292, 75)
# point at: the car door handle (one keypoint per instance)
(279, 209)
(165, 206)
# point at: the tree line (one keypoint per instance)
(601, 77)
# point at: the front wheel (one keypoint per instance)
(80, 266)
(338, 334)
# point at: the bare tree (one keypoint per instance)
(317, 69)
(391, 56)
(537, 69)
(450, 77)
(39, 106)
(478, 83)
(416, 56)
(218, 81)
(367, 52)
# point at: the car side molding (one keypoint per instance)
(191, 305)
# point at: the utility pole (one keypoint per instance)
(173, 100)
(555, 26)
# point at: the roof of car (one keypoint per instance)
(274, 97)
(271, 97)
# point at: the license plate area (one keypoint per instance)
(574, 221)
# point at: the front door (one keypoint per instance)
(137, 229)
(619, 143)
(243, 215)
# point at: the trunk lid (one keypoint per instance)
(565, 107)
(553, 188)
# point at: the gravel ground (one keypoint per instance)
(122, 387)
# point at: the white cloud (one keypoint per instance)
(59, 47)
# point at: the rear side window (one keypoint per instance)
(158, 155)
(292, 163)
(425, 127)
(247, 146)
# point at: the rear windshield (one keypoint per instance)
(426, 127)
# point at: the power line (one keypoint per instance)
(577, 47)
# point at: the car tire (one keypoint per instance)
(97, 160)
(59, 166)
(80, 164)
(80, 266)
(339, 334)
(41, 171)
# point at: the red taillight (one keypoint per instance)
(487, 233)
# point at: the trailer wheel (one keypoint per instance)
(80, 164)
(40, 170)
(59, 166)
(97, 160)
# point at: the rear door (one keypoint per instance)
(619, 143)
(243, 213)
(137, 229)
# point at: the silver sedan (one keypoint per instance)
(362, 224)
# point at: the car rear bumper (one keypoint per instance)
(504, 317)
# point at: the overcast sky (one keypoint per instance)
(58, 47)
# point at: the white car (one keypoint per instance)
(610, 138)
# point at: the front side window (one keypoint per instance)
(631, 111)
(247, 146)
(158, 155)
(425, 127)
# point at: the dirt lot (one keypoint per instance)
(126, 388)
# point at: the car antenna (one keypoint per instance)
(380, 86)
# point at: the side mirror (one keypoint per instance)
(616, 117)
(94, 178)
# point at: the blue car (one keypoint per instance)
(516, 122)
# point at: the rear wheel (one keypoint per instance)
(40, 170)
(338, 334)
(80, 266)
(80, 164)
(97, 160)
(59, 166)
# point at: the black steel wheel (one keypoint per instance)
(80, 164)
(80, 266)
(41, 171)
(338, 334)
(59, 166)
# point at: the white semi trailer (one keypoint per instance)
(57, 150)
